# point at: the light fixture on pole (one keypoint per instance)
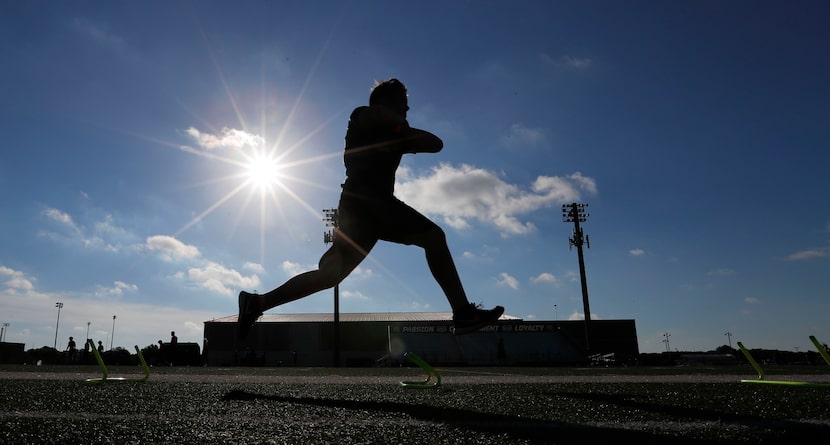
(575, 213)
(729, 338)
(332, 219)
(112, 337)
(58, 305)
(666, 336)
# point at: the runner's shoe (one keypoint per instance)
(472, 318)
(249, 312)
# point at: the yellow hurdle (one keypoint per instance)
(762, 375)
(106, 378)
(431, 372)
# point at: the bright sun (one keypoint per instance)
(262, 171)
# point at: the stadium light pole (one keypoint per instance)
(576, 214)
(58, 305)
(666, 336)
(87, 331)
(332, 219)
(4, 332)
(112, 337)
(729, 338)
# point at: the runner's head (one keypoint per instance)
(390, 93)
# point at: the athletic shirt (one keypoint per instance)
(371, 157)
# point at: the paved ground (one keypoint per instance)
(353, 405)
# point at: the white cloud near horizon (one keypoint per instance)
(466, 193)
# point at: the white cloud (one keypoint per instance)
(229, 138)
(566, 62)
(636, 252)
(255, 267)
(361, 272)
(506, 279)
(117, 289)
(353, 295)
(220, 279)
(521, 136)
(809, 254)
(465, 193)
(170, 248)
(60, 217)
(79, 234)
(17, 280)
(544, 277)
(292, 268)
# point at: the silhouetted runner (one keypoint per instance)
(377, 138)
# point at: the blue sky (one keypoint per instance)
(697, 132)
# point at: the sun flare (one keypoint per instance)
(262, 171)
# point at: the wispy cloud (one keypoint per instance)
(519, 135)
(505, 279)
(566, 62)
(116, 290)
(101, 35)
(809, 254)
(70, 231)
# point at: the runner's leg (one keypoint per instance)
(406, 225)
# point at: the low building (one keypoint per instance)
(375, 339)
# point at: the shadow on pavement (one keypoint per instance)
(520, 428)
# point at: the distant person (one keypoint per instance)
(501, 351)
(100, 347)
(173, 339)
(72, 348)
(204, 351)
(86, 351)
(377, 137)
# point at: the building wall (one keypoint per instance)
(524, 343)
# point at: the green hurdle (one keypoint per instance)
(105, 373)
(762, 375)
(431, 372)
(820, 349)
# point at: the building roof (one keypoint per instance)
(353, 317)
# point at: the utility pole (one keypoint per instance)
(3, 332)
(729, 338)
(666, 336)
(58, 305)
(576, 213)
(112, 337)
(332, 219)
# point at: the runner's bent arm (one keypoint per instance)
(403, 138)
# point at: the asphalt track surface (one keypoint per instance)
(40, 405)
